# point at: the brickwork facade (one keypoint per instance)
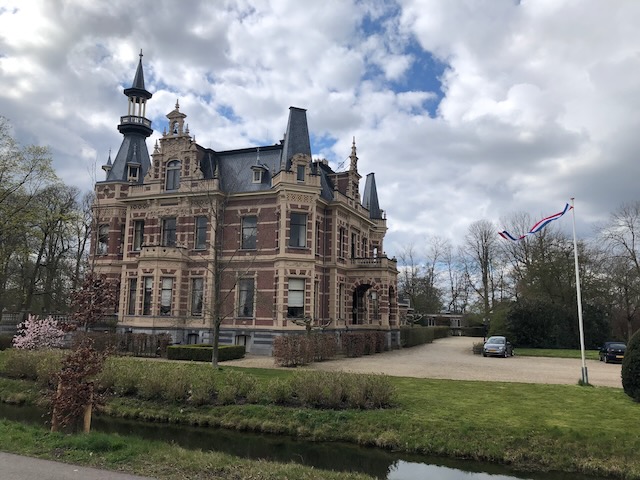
(291, 239)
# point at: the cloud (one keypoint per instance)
(464, 110)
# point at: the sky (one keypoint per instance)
(465, 110)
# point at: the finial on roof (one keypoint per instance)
(177, 105)
(156, 148)
(353, 156)
(109, 158)
(187, 129)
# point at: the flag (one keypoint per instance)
(537, 227)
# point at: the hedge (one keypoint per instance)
(412, 336)
(203, 352)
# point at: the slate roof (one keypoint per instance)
(370, 197)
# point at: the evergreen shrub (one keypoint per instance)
(5, 341)
(631, 368)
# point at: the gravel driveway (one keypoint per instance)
(452, 358)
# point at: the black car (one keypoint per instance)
(612, 352)
(497, 346)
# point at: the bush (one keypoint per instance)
(5, 341)
(292, 350)
(412, 336)
(38, 365)
(631, 368)
(203, 353)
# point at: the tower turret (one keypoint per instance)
(132, 161)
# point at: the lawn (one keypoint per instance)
(556, 353)
(528, 426)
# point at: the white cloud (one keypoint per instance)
(540, 102)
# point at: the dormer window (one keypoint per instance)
(257, 176)
(300, 173)
(173, 175)
(133, 173)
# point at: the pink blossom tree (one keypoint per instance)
(35, 333)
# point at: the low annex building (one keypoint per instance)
(287, 239)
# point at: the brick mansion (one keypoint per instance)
(269, 236)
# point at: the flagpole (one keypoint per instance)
(585, 375)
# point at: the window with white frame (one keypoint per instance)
(133, 287)
(166, 295)
(138, 235)
(102, 244)
(295, 303)
(245, 297)
(173, 175)
(201, 233)
(197, 295)
(257, 176)
(169, 232)
(298, 232)
(147, 295)
(249, 232)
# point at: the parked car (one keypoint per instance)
(497, 346)
(612, 352)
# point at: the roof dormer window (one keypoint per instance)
(300, 173)
(133, 174)
(257, 176)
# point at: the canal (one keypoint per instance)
(381, 464)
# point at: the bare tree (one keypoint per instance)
(621, 235)
(481, 248)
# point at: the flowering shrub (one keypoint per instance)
(35, 333)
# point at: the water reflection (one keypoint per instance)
(335, 456)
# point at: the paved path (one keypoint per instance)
(452, 358)
(17, 467)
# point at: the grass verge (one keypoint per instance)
(149, 458)
(527, 426)
(556, 353)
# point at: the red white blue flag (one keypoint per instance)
(537, 227)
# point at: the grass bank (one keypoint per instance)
(149, 458)
(556, 353)
(527, 426)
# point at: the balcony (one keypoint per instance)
(159, 252)
(374, 262)
(135, 119)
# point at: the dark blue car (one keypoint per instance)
(612, 352)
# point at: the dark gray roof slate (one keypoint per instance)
(370, 197)
(296, 137)
(133, 151)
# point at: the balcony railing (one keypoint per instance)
(374, 262)
(135, 119)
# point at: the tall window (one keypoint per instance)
(103, 240)
(249, 232)
(295, 305)
(138, 234)
(147, 295)
(375, 305)
(341, 301)
(298, 236)
(353, 245)
(197, 295)
(133, 287)
(173, 175)
(165, 296)
(341, 236)
(300, 173)
(245, 297)
(169, 232)
(201, 233)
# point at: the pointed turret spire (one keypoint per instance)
(132, 160)
(138, 80)
(370, 197)
(353, 156)
(296, 138)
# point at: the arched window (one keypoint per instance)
(173, 175)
